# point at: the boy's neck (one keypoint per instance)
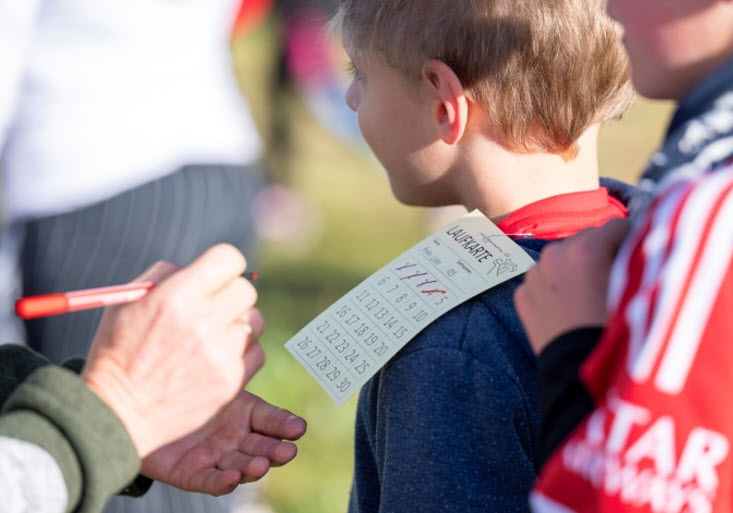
(498, 182)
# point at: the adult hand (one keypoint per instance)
(167, 362)
(238, 445)
(567, 288)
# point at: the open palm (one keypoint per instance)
(238, 445)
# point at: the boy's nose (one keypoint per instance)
(352, 96)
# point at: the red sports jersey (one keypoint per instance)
(659, 438)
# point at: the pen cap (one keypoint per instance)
(39, 306)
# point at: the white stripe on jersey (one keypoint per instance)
(689, 327)
(618, 278)
(643, 346)
(646, 342)
(618, 281)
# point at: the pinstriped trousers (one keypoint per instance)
(173, 218)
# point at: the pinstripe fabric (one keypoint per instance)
(174, 218)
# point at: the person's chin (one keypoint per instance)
(404, 194)
(648, 84)
(416, 198)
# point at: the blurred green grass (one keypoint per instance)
(363, 227)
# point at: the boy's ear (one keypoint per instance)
(451, 107)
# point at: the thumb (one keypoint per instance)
(157, 272)
(612, 234)
(604, 241)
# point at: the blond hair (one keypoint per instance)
(544, 70)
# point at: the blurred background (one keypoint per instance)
(353, 227)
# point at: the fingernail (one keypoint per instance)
(246, 326)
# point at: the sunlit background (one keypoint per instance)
(349, 226)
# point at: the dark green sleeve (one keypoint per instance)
(16, 364)
(19, 362)
(56, 411)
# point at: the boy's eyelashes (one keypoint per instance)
(353, 70)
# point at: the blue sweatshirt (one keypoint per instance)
(450, 423)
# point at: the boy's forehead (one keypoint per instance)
(367, 60)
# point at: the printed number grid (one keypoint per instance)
(348, 343)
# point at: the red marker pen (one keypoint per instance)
(63, 302)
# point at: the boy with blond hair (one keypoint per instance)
(496, 105)
(645, 427)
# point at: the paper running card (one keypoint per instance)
(351, 340)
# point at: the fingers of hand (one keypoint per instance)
(270, 420)
(251, 467)
(276, 451)
(157, 272)
(254, 359)
(530, 314)
(242, 330)
(232, 301)
(281, 453)
(253, 318)
(552, 265)
(615, 231)
(569, 266)
(215, 268)
(601, 244)
(214, 481)
(521, 302)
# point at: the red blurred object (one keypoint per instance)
(251, 14)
